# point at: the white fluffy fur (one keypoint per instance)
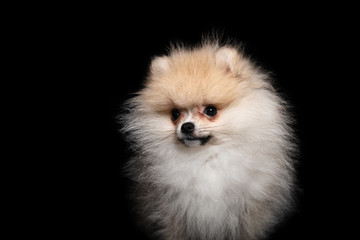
(236, 186)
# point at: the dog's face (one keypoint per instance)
(192, 89)
(195, 95)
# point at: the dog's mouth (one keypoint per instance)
(195, 141)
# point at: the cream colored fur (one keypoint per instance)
(238, 185)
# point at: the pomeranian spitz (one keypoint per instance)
(213, 146)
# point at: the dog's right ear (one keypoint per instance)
(159, 64)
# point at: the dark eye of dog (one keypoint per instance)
(175, 114)
(210, 111)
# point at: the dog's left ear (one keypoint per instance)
(228, 58)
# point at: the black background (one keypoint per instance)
(96, 56)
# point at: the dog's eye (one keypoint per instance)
(175, 114)
(211, 111)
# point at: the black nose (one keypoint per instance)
(187, 127)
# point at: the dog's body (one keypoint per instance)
(213, 146)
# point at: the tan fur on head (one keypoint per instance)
(193, 77)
